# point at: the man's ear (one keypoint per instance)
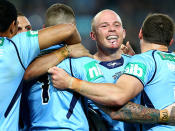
(140, 34)
(171, 42)
(13, 29)
(124, 33)
(92, 35)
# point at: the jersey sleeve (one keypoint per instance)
(142, 67)
(28, 46)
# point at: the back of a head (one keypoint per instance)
(8, 14)
(59, 14)
(158, 28)
(20, 13)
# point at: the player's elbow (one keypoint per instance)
(119, 100)
(28, 76)
(113, 115)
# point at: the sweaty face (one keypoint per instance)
(109, 32)
(24, 24)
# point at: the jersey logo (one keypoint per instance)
(32, 33)
(113, 64)
(169, 57)
(93, 71)
(136, 69)
(171, 66)
(1, 41)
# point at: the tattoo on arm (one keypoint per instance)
(134, 113)
(172, 116)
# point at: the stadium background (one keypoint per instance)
(132, 13)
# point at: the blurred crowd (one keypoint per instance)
(132, 13)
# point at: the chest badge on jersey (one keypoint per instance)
(136, 69)
(1, 41)
(32, 33)
(93, 71)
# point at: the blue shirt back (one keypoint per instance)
(156, 71)
(12, 73)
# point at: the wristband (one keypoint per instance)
(75, 84)
(164, 116)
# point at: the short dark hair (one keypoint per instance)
(20, 13)
(158, 28)
(8, 14)
(59, 14)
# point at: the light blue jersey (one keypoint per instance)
(12, 73)
(48, 107)
(156, 71)
(102, 72)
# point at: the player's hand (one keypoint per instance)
(127, 49)
(78, 50)
(60, 78)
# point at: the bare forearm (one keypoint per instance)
(172, 116)
(55, 35)
(108, 93)
(74, 39)
(136, 113)
(104, 94)
(41, 64)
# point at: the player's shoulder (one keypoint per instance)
(126, 57)
(77, 61)
(145, 57)
(83, 60)
(24, 35)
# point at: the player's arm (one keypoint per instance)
(113, 99)
(41, 64)
(136, 113)
(103, 93)
(55, 34)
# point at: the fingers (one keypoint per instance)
(128, 45)
(53, 70)
(130, 50)
(124, 49)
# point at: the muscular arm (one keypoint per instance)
(41, 64)
(106, 94)
(103, 93)
(136, 113)
(58, 33)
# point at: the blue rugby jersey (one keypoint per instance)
(156, 71)
(12, 73)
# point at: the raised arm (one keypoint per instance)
(56, 34)
(41, 64)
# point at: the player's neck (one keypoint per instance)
(153, 46)
(104, 56)
(5, 34)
